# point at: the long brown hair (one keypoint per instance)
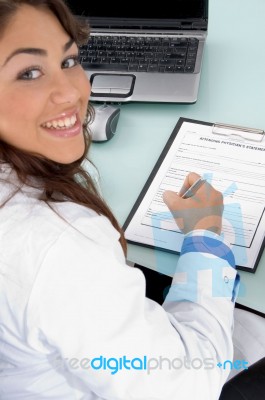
(60, 182)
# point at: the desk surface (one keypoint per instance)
(232, 90)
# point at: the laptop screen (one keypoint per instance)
(179, 9)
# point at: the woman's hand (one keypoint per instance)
(201, 211)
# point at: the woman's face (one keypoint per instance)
(43, 90)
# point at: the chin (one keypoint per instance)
(69, 160)
(72, 155)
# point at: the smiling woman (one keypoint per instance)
(42, 80)
(44, 96)
(66, 291)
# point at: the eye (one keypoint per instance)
(70, 62)
(30, 74)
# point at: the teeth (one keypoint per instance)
(61, 123)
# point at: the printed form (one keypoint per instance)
(233, 165)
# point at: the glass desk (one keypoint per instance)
(232, 91)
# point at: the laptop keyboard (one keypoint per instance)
(139, 54)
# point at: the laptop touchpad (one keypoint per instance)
(112, 85)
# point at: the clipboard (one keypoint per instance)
(137, 225)
(237, 132)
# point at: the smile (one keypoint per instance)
(61, 123)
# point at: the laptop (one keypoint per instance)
(144, 53)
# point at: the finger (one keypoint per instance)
(190, 179)
(171, 199)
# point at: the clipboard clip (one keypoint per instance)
(236, 132)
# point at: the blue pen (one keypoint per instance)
(193, 189)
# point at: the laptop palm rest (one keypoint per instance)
(112, 85)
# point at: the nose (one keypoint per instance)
(64, 90)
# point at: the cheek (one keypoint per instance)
(12, 109)
(21, 106)
(84, 90)
(19, 112)
(85, 86)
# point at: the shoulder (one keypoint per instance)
(33, 227)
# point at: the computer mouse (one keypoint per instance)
(104, 125)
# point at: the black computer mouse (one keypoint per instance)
(104, 125)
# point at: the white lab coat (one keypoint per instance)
(74, 320)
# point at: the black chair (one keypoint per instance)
(249, 384)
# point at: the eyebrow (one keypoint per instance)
(35, 51)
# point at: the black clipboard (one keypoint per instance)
(255, 135)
